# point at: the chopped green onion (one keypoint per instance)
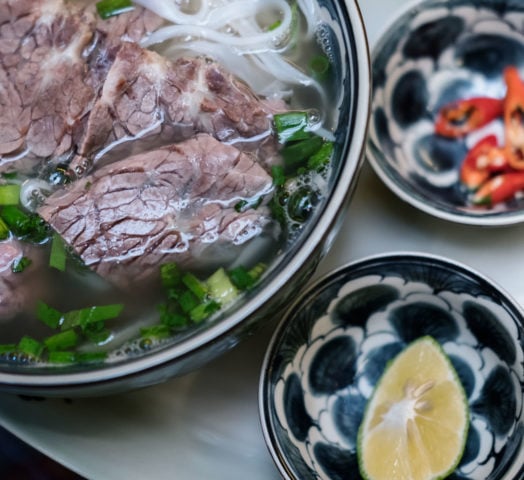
(195, 285)
(297, 153)
(9, 175)
(321, 159)
(203, 311)
(256, 272)
(170, 275)
(4, 230)
(61, 357)
(91, 357)
(274, 25)
(110, 8)
(85, 316)
(221, 288)
(319, 67)
(240, 278)
(98, 335)
(188, 301)
(30, 347)
(279, 177)
(7, 348)
(62, 340)
(171, 315)
(156, 332)
(20, 264)
(9, 194)
(243, 205)
(28, 226)
(291, 126)
(48, 315)
(58, 256)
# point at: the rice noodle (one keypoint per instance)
(229, 31)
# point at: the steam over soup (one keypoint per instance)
(155, 161)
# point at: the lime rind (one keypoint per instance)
(370, 404)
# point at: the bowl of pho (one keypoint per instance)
(170, 174)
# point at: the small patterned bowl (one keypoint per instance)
(436, 52)
(336, 338)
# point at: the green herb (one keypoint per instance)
(221, 287)
(319, 160)
(20, 264)
(85, 316)
(62, 340)
(279, 177)
(110, 8)
(195, 285)
(91, 357)
(7, 348)
(48, 315)
(296, 154)
(61, 357)
(170, 275)
(58, 256)
(319, 66)
(28, 226)
(4, 230)
(188, 301)
(171, 316)
(9, 175)
(155, 332)
(243, 205)
(291, 126)
(30, 346)
(9, 194)
(203, 311)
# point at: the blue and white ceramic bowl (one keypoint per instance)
(435, 52)
(335, 340)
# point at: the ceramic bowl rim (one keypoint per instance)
(376, 157)
(321, 236)
(265, 403)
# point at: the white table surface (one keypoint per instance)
(205, 425)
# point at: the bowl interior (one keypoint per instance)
(335, 342)
(340, 33)
(435, 53)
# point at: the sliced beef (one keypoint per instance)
(18, 291)
(145, 94)
(170, 204)
(53, 57)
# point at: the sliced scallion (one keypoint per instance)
(30, 346)
(83, 317)
(9, 194)
(7, 348)
(61, 357)
(221, 288)
(195, 285)
(62, 341)
(155, 332)
(203, 311)
(48, 315)
(291, 126)
(110, 8)
(58, 256)
(319, 66)
(297, 153)
(321, 158)
(20, 264)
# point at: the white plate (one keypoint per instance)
(205, 425)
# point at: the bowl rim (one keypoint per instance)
(265, 403)
(321, 236)
(377, 159)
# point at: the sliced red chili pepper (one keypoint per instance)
(460, 117)
(499, 188)
(474, 171)
(514, 117)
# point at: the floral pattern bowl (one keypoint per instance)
(434, 53)
(327, 354)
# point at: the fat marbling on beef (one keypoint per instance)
(170, 204)
(53, 57)
(73, 85)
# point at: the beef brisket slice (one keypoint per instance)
(54, 56)
(169, 204)
(145, 93)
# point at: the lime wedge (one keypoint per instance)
(416, 422)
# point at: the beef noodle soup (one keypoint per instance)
(156, 160)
